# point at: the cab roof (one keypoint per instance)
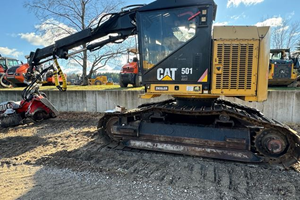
(163, 4)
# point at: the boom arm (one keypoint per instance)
(122, 23)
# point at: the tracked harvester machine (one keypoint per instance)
(180, 55)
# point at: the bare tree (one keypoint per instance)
(296, 53)
(77, 15)
(298, 46)
(286, 35)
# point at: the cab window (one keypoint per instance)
(164, 31)
(11, 63)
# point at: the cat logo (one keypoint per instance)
(167, 74)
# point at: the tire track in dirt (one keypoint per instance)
(232, 180)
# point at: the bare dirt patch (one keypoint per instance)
(63, 158)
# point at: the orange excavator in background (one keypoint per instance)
(49, 78)
(15, 76)
(5, 64)
(182, 55)
(130, 71)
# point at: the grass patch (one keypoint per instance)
(282, 88)
(114, 87)
(79, 87)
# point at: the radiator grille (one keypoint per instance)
(12, 70)
(283, 71)
(237, 62)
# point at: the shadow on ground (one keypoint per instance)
(15, 146)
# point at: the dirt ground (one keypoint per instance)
(64, 158)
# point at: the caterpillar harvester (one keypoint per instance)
(180, 55)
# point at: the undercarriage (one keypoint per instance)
(212, 128)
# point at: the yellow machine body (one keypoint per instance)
(239, 67)
(99, 80)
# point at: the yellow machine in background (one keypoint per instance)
(282, 68)
(100, 80)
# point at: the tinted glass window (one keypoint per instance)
(2, 62)
(279, 55)
(11, 63)
(164, 31)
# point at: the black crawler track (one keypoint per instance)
(128, 129)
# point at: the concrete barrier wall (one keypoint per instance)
(283, 106)
(88, 101)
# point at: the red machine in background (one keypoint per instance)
(5, 64)
(130, 72)
(34, 105)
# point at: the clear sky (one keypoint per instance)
(18, 22)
